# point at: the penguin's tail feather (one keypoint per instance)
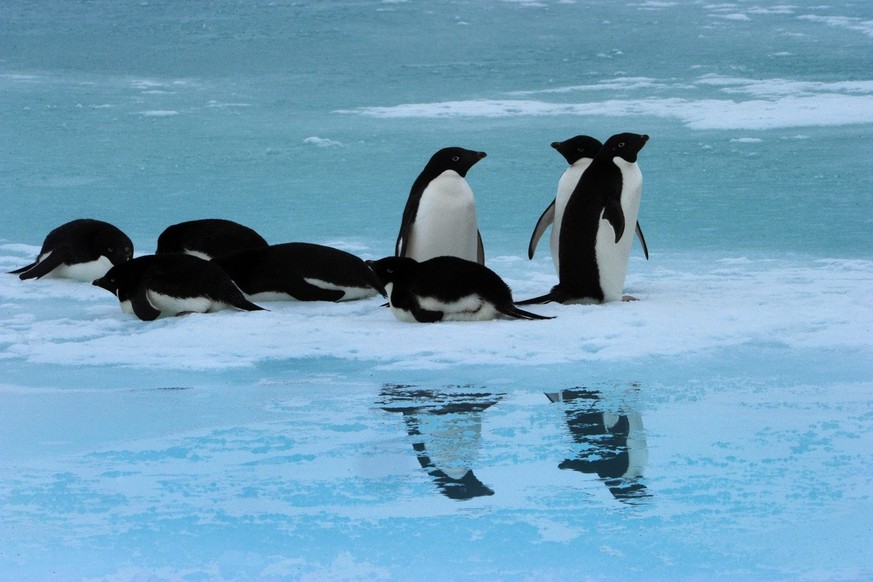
(556, 294)
(516, 313)
(547, 298)
(22, 269)
(247, 305)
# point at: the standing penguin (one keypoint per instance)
(83, 249)
(440, 214)
(172, 284)
(579, 151)
(594, 245)
(208, 238)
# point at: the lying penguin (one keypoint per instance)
(446, 289)
(172, 284)
(83, 249)
(208, 238)
(301, 271)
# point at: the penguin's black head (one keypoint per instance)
(578, 147)
(458, 159)
(121, 278)
(625, 146)
(110, 281)
(393, 269)
(113, 244)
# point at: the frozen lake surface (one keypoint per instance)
(719, 427)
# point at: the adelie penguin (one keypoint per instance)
(208, 238)
(594, 245)
(83, 249)
(172, 284)
(446, 289)
(440, 214)
(579, 151)
(301, 271)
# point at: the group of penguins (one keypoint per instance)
(437, 272)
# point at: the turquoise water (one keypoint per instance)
(719, 427)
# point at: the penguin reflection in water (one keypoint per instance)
(446, 289)
(172, 284)
(445, 426)
(610, 444)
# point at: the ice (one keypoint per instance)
(718, 427)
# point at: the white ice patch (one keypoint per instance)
(776, 103)
(322, 142)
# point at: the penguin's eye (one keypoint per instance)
(110, 249)
(456, 158)
(621, 144)
(390, 271)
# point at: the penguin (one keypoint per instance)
(579, 151)
(610, 444)
(594, 245)
(446, 289)
(83, 249)
(208, 238)
(172, 284)
(301, 271)
(446, 431)
(440, 214)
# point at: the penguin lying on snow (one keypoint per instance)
(208, 238)
(172, 284)
(594, 245)
(440, 214)
(83, 249)
(579, 151)
(446, 289)
(302, 271)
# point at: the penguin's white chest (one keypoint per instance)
(87, 272)
(566, 186)
(169, 305)
(612, 257)
(445, 224)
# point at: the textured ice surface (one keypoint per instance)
(718, 427)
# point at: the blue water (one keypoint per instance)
(719, 427)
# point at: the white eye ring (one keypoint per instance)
(621, 145)
(456, 158)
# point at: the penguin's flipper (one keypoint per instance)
(303, 290)
(642, 240)
(546, 218)
(613, 214)
(426, 315)
(480, 249)
(42, 268)
(246, 305)
(142, 307)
